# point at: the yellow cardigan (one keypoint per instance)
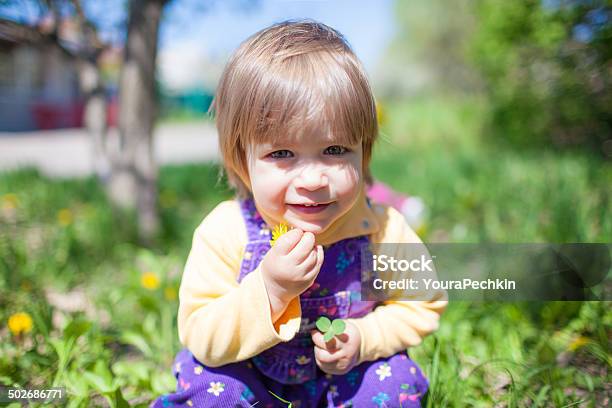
(222, 321)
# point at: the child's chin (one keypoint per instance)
(310, 227)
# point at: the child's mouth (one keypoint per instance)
(309, 208)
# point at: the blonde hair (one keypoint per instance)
(287, 79)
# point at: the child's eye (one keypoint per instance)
(281, 154)
(336, 150)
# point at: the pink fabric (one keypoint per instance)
(383, 194)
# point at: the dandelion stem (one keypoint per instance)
(285, 401)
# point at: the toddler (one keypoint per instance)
(296, 121)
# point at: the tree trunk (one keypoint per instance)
(95, 116)
(133, 182)
(93, 88)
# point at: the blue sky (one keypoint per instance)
(368, 25)
(195, 43)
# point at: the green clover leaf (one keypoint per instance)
(323, 324)
(338, 326)
(330, 328)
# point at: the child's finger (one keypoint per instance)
(325, 357)
(320, 256)
(302, 249)
(286, 242)
(319, 341)
(310, 261)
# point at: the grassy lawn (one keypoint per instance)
(103, 308)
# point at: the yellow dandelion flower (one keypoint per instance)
(9, 201)
(64, 217)
(577, 343)
(20, 323)
(170, 293)
(149, 280)
(279, 230)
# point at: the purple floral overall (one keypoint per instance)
(288, 369)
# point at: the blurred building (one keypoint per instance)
(39, 86)
(187, 78)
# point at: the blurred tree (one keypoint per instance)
(133, 180)
(547, 68)
(429, 51)
(543, 65)
(91, 83)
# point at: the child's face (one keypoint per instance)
(309, 185)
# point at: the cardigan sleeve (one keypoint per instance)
(220, 320)
(396, 324)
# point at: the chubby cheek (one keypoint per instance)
(268, 187)
(347, 181)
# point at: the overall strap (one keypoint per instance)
(256, 227)
(258, 238)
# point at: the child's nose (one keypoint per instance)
(312, 179)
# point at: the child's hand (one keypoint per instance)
(339, 355)
(291, 266)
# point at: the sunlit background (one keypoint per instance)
(495, 117)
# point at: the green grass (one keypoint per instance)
(114, 339)
(64, 236)
(477, 191)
